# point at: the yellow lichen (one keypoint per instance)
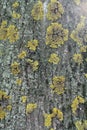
(2, 113)
(75, 103)
(47, 120)
(83, 48)
(85, 75)
(3, 30)
(33, 64)
(60, 115)
(12, 33)
(54, 58)
(54, 111)
(56, 35)
(16, 15)
(24, 99)
(9, 107)
(4, 23)
(32, 45)
(85, 124)
(19, 81)
(4, 95)
(4, 99)
(51, 129)
(57, 113)
(15, 68)
(75, 33)
(37, 11)
(77, 2)
(30, 107)
(55, 10)
(58, 84)
(15, 4)
(78, 58)
(22, 55)
(81, 125)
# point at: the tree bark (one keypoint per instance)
(36, 84)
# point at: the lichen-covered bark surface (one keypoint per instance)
(51, 82)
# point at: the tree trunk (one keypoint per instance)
(36, 84)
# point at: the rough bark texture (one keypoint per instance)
(36, 84)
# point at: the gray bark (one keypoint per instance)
(36, 84)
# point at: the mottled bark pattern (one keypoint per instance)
(36, 84)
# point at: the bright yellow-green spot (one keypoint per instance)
(57, 113)
(60, 115)
(24, 99)
(75, 103)
(51, 129)
(4, 95)
(54, 111)
(83, 48)
(81, 125)
(85, 124)
(9, 107)
(56, 35)
(47, 120)
(58, 84)
(16, 15)
(77, 2)
(2, 113)
(19, 81)
(85, 75)
(75, 33)
(55, 10)
(3, 30)
(33, 64)
(37, 11)
(15, 68)
(77, 58)
(15, 4)
(30, 107)
(54, 58)
(22, 55)
(12, 33)
(4, 23)
(32, 45)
